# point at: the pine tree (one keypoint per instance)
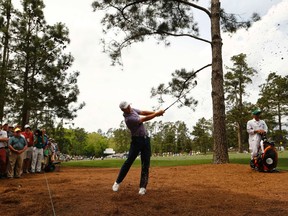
(43, 89)
(274, 102)
(236, 80)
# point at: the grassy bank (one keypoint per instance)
(235, 158)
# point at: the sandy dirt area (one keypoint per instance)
(226, 189)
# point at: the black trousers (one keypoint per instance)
(138, 144)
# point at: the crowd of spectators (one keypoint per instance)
(25, 151)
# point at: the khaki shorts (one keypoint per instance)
(28, 153)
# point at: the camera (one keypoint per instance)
(38, 132)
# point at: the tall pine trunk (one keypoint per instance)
(5, 59)
(219, 129)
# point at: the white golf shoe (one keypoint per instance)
(142, 191)
(115, 186)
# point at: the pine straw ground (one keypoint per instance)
(227, 189)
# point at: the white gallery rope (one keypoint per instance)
(50, 195)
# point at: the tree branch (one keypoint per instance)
(180, 35)
(197, 71)
(195, 6)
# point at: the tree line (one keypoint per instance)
(38, 88)
(176, 137)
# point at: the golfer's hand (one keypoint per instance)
(160, 113)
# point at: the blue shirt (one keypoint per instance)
(133, 123)
(18, 143)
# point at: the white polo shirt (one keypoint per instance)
(3, 134)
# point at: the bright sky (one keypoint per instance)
(146, 65)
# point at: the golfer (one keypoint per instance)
(140, 142)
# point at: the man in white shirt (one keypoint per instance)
(3, 157)
(255, 128)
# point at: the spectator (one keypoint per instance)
(3, 154)
(45, 148)
(57, 151)
(46, 153)
(28, 134)
(17, 145)
(49, 156)
(52, 152)
(39, 143)
(9, 130)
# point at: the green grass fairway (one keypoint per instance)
(235, 158)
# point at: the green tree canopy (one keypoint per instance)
(202, 133)
(274, 103)
(40, 83)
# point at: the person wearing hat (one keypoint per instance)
(140, 142)
(28, 134)
(40, 140)
(9, 129)
(17, 145)
(256, 128)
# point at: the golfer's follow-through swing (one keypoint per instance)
(140, 142)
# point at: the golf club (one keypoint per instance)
(180, 95)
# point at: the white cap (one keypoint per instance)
(124, 105)
(27, 126)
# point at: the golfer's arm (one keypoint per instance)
(145, 113)
(148, 117)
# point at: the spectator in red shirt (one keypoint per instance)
(28, 134)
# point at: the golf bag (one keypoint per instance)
(50, 167)
(267, 158)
